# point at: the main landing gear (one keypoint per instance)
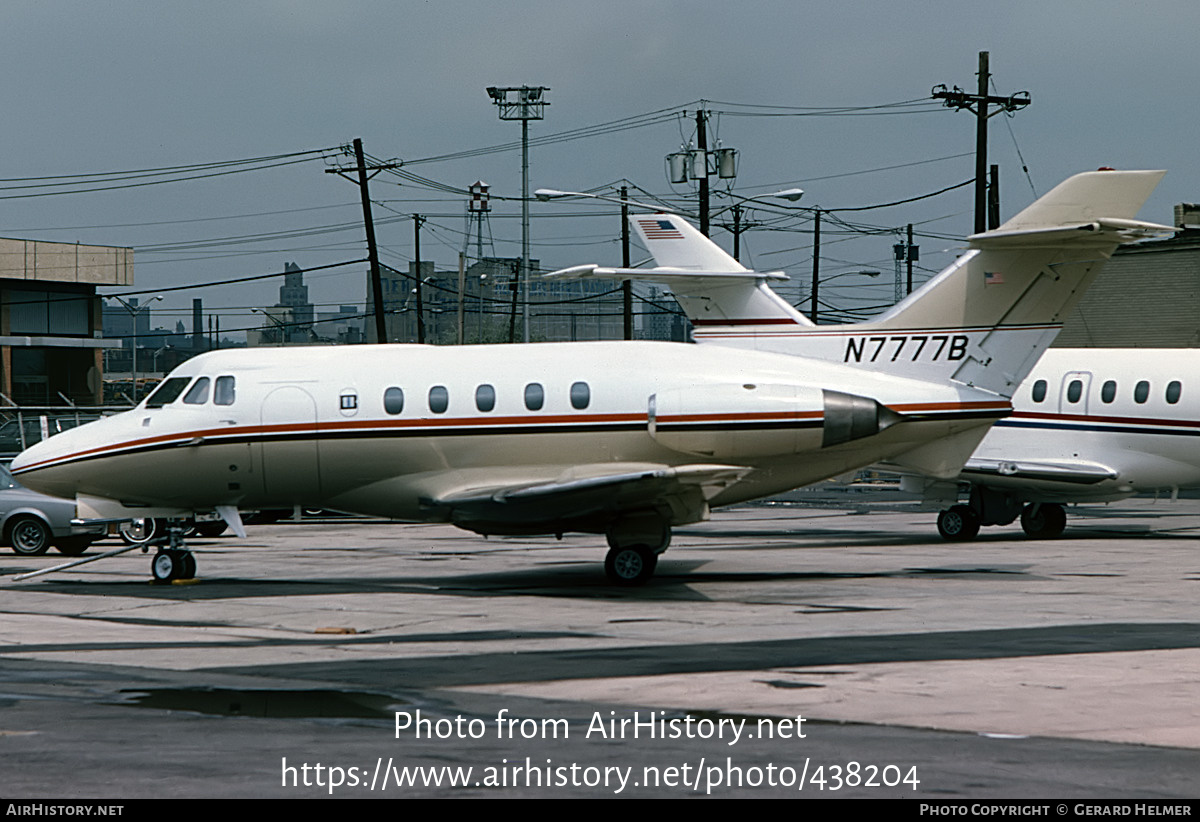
(634, 545)
(958, 523)
(1043, 521)
(1039, 520)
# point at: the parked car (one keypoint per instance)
(31, 522)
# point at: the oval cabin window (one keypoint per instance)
(581, 396)
(393, 400)
(439, 399)
(535, 396)
(485, 398)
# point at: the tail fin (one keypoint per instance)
(983, 321)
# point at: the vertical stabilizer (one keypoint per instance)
(983, 321)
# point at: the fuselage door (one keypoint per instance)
(1074, 391)
(290, 455)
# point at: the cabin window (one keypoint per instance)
(581, 395)
(1174, 389)
(198, 393)
(535, 396)
(393, 400)
(1141, 392)
(439, 399)
(1108, 391)
(224, 392)
(1039, 391)
(168, 392)
(485, 398)
(1074, 390)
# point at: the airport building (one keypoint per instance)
(51, 321)
(1147, 295)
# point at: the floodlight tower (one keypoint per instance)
(522, 103)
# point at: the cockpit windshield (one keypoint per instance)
(168, 392)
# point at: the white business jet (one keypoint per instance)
(627, 439)
(1088, 425)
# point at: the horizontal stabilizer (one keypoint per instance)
(1100, 232)
(662, 275)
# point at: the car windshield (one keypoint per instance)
(6, 479)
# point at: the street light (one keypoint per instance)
(280, 326)
(522, 103)
(134, 310)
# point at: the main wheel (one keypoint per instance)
(29, 536)
(1048, 522)
(958, 523)
(630, 565)
(139, 531)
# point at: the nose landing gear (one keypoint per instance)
(173, 560)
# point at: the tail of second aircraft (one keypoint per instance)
(983, 321)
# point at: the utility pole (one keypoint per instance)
(739, 228)
(905, 252)
(417, 221)
(627, 285)
(702, 145)
(994, 198)
(369, 222)
(816, 277)
(981, 104)
(688, 163)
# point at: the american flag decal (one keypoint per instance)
(993, 278)
(660, 230)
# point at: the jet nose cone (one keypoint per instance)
(26, 464)
(30, 456)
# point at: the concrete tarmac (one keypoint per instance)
(836, 650)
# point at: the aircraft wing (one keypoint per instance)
(1075, 472)
(590, 494)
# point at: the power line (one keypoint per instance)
(87, 183)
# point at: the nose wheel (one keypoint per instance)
(173, 563)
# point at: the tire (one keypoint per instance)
(1048, 523)
(958, 523)
(139, 531)
(29, 536)
(166, 566)
(631, 565)
(73, 546)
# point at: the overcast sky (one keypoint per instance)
(115, 86)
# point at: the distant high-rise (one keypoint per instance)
(293, 294)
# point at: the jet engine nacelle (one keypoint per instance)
(753, 420)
